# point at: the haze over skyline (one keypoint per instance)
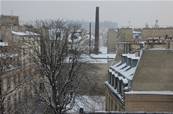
(125, 13)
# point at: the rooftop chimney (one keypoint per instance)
(96, 46)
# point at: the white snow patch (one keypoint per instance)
(103, 56)
(3, 43)
(89, 103)
(26, 33)
(132, 56)
(96, 58)
(103, 49)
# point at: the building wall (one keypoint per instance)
(125, 34)
(116, 36)
(157, 32)
(148, 103)
(112, 102)
(16, 72)
(9, 20)
(112, 39)
(13, 78)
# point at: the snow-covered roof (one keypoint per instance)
(125, 81)
(154, 70)
(3, 43)
(128, 73)
(151, 92)
(26, 33)
(136, 32)
(88, 59)
(89, 103)
(132, 56)
(103, 56)
(8, 55)
(125, 70)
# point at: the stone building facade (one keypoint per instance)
(16, 68)
(9, 20)
(114, 36)
(119, 81)
(144, 85)
(157, 32)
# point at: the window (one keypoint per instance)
(109, 77)
(9, 103)
(15, 80)
(1, 86)
(120, 86)
(20, 96)
(19, 79)
(113, 78)
(8, 84)
(41, 87)
(15, 100)
(116, 83)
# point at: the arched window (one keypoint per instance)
(113, 78)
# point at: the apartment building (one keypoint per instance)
(141, 82)
(157, 32)
(152, 87)
(119, 81)
(16, 68)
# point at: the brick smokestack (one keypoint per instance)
(96, 46)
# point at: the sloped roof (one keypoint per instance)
(154, 72)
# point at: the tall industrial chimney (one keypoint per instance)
(96, 46)
(90, 38)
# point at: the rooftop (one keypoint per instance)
(154, 71)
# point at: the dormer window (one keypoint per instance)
(109, 77)
(113, 80)
(134, 62)
(116, 83)
(128, 61)
(123, 59)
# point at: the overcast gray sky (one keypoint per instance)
(138, 13)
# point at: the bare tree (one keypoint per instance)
(10, 57)
(57, 54)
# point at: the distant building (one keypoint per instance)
(114, 36)
(9, 20)
(112, 39)
(157, 32)
(15, 65)
(126, 34)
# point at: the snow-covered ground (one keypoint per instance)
(102, 57)
(89, 103)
